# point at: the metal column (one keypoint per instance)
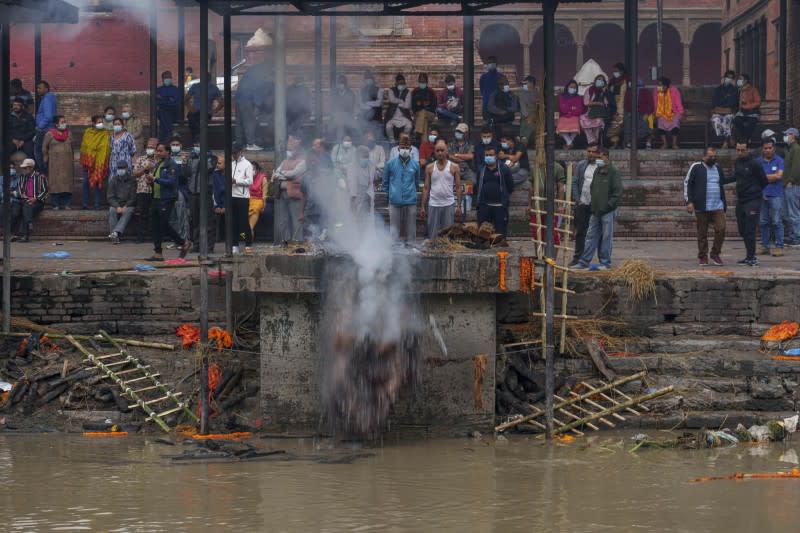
(468, 24)
(153, 66)
(228, 140)
(318, 75)
(632, 48)
(181, 59)
(280, 87)
(550, 143)
(203, 106)
(332, 53)
(37, 59)
(5, 75)
(782, 42)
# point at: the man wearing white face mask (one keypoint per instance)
(398, 114)
(423, 105)
(725, 102)
(502, 106)
(121, 200)
(167, 100)
(426, 148)
(143, 167)
(450, 101)
(606, 193)
(399, 180)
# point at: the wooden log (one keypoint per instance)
(577, 398)
(600, 359)
(232, 401)
(232, 383)
(53, 394)
(611, 410)
(20, 388)
(129, 342)
(82, 374)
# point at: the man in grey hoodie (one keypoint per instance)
(121, 199)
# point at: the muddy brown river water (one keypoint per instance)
(54, 482)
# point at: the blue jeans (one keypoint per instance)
(98, 198)
(61, 199)
(770, 218)
(791, 211)
(442, 112)
(599, 238)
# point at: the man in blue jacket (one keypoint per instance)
(493, 191)
(45, 116)
(400, 182)
(165, 193)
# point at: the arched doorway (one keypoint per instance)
(566, 55)
(705, 55)
(503, 41)
(671, 53)
(605, 43)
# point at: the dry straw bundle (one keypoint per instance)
(638, 276)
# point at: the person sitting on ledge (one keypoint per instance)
(32, 191)
(121, 200)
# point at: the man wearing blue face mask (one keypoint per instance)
(502, 106)
(121, 200)
(606, 193)
(488, 81)
(487, 139)
(423, 105)
(167, 100)
(493, 191)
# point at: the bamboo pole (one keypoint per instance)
(577, 398)
(584, 410)
(565, 260)
(606, 397)
(601, 407)
(130, 342)
(616, 408)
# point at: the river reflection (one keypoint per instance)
(68, 483)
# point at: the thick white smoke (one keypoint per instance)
(371, 320)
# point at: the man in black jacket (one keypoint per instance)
(21, 129)
(705, 197)
(750, 183)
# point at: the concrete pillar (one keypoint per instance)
(280, 87)
(579, 38)
(526, 59)
(5, 157)
(686, 65)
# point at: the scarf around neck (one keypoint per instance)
(59, 135)
(664, 105)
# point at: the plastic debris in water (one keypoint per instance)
(56, 255)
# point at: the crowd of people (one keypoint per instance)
(155, 181)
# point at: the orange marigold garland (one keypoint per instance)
(526, 275)
(781, 332)
(221, 337)
(502, 256)
(189, 334)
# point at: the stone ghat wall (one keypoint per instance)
(698, 304)
(120, 303)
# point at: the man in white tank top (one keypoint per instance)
(441, 196)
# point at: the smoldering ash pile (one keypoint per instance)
(370, 334)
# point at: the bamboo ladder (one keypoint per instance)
(113, 365)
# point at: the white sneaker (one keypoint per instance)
(235, 250)
(253, 148)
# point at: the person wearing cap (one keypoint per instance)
(32, 191)
(423, 105)
(16, 203)
(399, 180)
(121, 196)
(398, 114)
(528, 102)
(724, 104)
(488, 81)
(59, 156)
(791, 180)
(371, 104)
(450, 101)
(502, 105)
(461, 152)
(771, 200)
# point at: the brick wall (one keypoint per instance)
(119, 303)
